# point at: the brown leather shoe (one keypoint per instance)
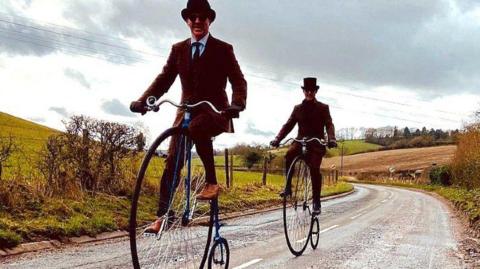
(209, 192)
(154, 228)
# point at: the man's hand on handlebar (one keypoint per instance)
(332, 144)
(138, 107)
(275, 143)
(232, 111)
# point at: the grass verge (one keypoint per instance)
(59, 218)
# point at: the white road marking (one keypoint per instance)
(329, 228)
(356, 216)
(247, 264)
(365, 208)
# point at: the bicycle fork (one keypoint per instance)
(217, 237)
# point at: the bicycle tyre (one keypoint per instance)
(297, 217)
(212, 261)
(315, 233)
(174, 233)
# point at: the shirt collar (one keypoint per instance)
(314, 101)
(203, 41)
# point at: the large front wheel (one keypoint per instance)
(185, 234)
(297, 207)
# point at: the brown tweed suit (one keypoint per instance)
(204, 79)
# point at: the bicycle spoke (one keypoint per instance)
(181, 243)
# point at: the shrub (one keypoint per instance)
(441, 175)
(399, 144)
(251, 158)
(90, 156)
(466, 162)
(421, 141)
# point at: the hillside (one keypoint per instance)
(30, 135)
(29, 138)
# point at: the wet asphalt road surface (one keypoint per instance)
(375, 227)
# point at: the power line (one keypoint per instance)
(63, 44)
(62, 27)
(158, 55)
(73, 53)
(355, 95)
(253, 75)
(78, 37)
(348, 109)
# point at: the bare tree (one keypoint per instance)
(81, 149)
(53, 163)
(116, 141)
(7, 148)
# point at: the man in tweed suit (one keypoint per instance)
(312, 117)
(204, 65)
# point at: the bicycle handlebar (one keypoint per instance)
(305, 140)
(154, 105)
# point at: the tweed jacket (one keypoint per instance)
(313, 117)
(206, 80)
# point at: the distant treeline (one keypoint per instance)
(405, 138)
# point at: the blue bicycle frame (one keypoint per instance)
(186, 217)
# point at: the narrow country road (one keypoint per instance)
(376, 227)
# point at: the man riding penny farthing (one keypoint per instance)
(301, 195)
(204, 64)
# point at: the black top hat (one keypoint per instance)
(198, 6)
(310, 83)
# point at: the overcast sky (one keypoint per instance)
(378, 62)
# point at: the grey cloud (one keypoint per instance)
(60, 110)
(40, 119)
(77, 76)
(254, 131)
(419, 45)
(24, 36)
(115, 107)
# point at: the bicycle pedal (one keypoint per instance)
(146, 234)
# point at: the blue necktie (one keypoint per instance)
(196, 54)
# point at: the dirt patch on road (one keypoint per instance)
(401, 159)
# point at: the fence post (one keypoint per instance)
(231, 170)
(264, 177)
(227, 170)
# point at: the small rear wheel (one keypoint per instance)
(219, 254)
(315, 235)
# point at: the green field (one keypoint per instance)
(350, 147)
(353, 147)
(29, 138)
(219, 160)
(29, 135)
